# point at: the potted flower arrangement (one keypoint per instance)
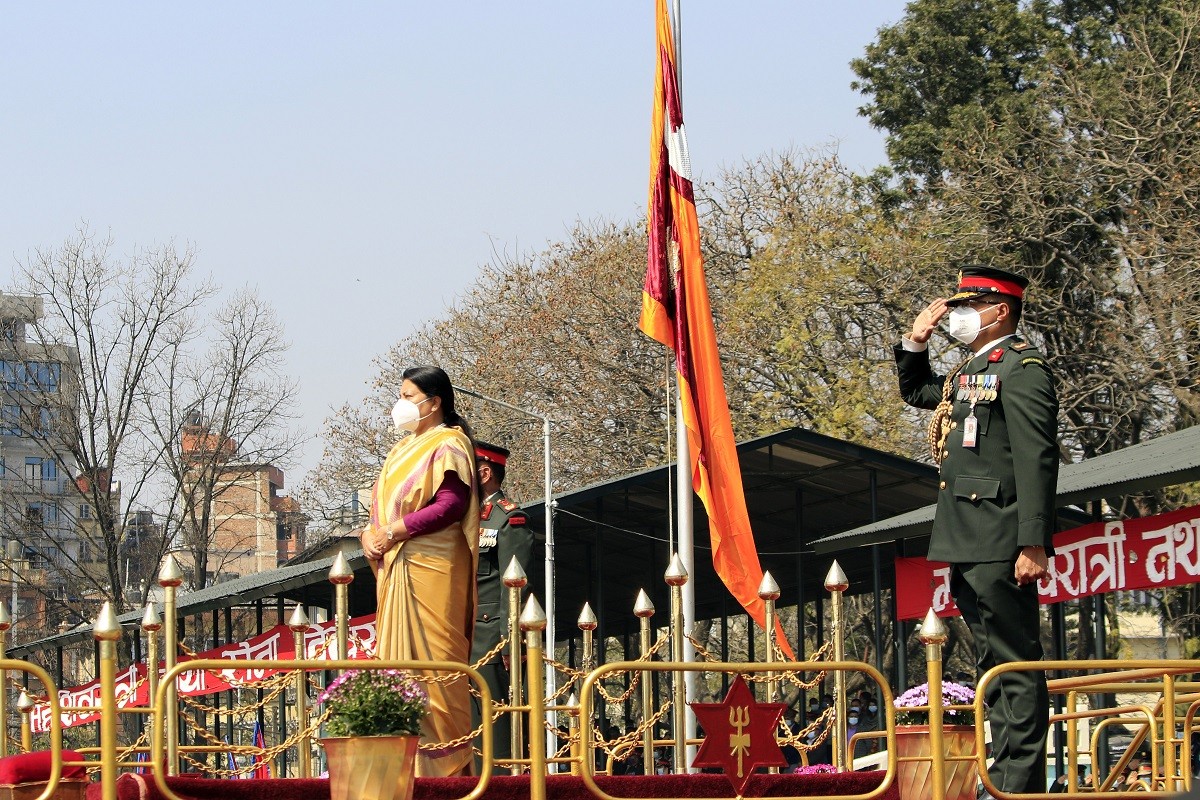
(912, 707)
(913, 742)
(373, 725)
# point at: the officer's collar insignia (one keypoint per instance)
(485, 511)
(996, 355)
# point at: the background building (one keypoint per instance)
(38, 501)
(235, 509)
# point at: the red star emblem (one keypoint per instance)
(739, 735)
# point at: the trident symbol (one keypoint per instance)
(739, 742)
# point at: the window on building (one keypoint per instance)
(42, 376)
(9, 372)
(9, 329)
(85, 511)
(10, 420)
(33, 472)
(39, 470)
(45, 422)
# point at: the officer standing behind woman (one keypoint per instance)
(994, 435)
(503, 533)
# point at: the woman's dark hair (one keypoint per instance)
(434, 382)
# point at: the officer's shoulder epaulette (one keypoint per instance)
(1019, 346)
(506, 504)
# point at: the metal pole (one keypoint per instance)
(25, 708)
(588, 624)
(108, 632)
(298, 623)
(549, 592)
(677, 579)
(768, 592)
(341, 576)
(170, 578)
(533, 622)
(836, 583)
(151, 625)
(933, 635)
(643, 609)
(514, 580)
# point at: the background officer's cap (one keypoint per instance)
(977, 280)
(491, 452)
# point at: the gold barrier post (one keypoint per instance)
(768, 592)
(108, 632)
(533, 622)
(933, 636)
(573, 729)
(676, 577)
(151, 625)
(587, 623)
(1170, 742)
(515, 580)
(298, 623)
(836, 583)
(643, 609)
(5, 625)
(170, 578)
(341, 576)
(25, 707)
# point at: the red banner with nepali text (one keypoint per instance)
(278, 643)
(1144, 553)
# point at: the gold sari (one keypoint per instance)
(426, 585)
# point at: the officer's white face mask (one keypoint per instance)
(406, 414)
(965, 324)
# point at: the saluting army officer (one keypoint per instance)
(994, 435)
(503, 533)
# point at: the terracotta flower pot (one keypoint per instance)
(371, 767)
(913, 778)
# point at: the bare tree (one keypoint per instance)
(221, 418)
(125, 335)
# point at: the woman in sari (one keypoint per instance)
(422, 543)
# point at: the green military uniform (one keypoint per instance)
(997, 495)
(503, 533)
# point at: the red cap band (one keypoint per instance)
(976, 283)
(490, 455)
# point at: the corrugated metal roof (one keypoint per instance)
(240, 591)
(1168, 460)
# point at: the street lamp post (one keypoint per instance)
(549, 560)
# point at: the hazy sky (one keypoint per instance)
(358, 162)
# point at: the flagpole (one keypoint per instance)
(683, 499)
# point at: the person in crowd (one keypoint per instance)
(791, 724)
(421, 542)
(868, 722)
(993, 434)
(504, 534)
(853, 712)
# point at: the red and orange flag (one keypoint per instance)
(676, 312)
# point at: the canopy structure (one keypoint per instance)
(613, 537)
(1169, 460)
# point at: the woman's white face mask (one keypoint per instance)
(965, 324)
(406, 414)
